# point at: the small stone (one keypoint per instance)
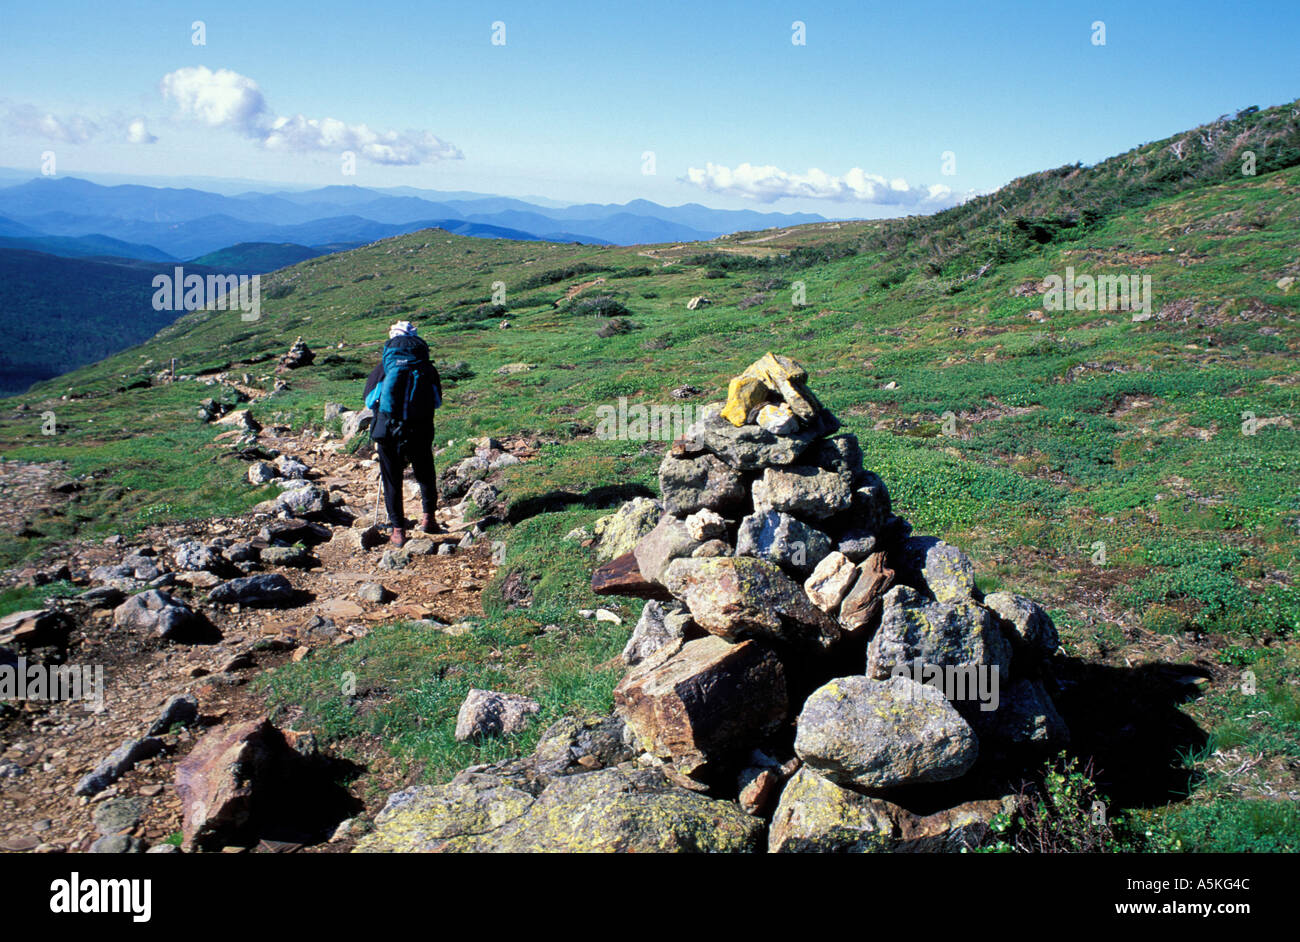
(491, 713)
(373, 592)
(830, 581)
(705, 525)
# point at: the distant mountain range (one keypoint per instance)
(164, 223)
(77, 257)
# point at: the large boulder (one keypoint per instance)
(669, 540)
(615, 810)
(745, 448)
(1026, 625)
(691, 484)
(939, 634)
(782, 539)
(619, 532)
(803, 491)
(736, 597)
(704, 704)
(219, 782)
(817, 816)
(880, 734)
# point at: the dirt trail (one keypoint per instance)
(46, 747)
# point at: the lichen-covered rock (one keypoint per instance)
(782, 539)
(940, 567)
(304, 501)
(744, 395)
(883, 733)
(193, 556)
(941, 634)
(423, 818)
(575, 745)
(691, 484)
(704, 704)
(805, 491)
(1027, 626)
(669, 540)
(817, 816)
(736, 597)
(747, 448)
(617, 810)
(830, 582)
(619, 532)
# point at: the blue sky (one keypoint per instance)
(853, 123)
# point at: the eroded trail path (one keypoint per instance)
(327, 554)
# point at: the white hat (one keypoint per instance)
(401, 329)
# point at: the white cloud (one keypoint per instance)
(72, 129)
(769, 184)
(137, 132)
(219, 99)
(226, 99)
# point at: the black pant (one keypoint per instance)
(394, 456)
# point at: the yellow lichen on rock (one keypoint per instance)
(744, 394)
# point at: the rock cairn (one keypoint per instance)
(794, 623)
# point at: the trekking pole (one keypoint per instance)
(379, 487)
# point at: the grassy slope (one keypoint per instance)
(1080, 428)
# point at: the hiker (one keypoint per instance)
(403, 391)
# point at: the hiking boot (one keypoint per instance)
(398, 538)
(429, 525)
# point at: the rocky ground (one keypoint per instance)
(324, 575)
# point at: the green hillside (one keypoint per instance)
(1172, 441)
(257, 256)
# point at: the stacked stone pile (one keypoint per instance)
(793, 613)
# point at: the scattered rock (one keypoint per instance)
(158, 612)
(489, 713)
(373, 592)
(262, 590)
(179, 710)
(118, 763)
